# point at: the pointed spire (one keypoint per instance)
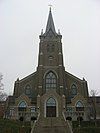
(50, 23)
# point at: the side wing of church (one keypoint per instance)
(50, 91)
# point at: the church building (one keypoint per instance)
(50, 93)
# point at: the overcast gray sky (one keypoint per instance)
(21, 22)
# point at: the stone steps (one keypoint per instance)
(51, 125)
(52, 121)
(62, 129)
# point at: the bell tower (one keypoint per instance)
(50, 59)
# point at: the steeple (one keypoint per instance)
(50, 23)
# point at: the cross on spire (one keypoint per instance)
(50, 6)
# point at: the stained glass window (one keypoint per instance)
(79, 106)
(73, 90)
(51, 102)
(51, 81)
(27, 90)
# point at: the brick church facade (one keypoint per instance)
(50, 92)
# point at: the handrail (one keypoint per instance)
(35, 123)
(69, 125)
(64, 116)
(33, 126)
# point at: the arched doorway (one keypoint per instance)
(51, 107)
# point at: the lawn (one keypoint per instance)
(11, 126)
(86, 127)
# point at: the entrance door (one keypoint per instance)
(51, 107)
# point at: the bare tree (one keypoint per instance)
(93, 93)
(1, 84)
(94, 106)
(3, 95)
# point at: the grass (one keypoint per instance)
(86, 127)
(11, 126)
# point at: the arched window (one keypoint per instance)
(22, 106)
(27, 89)
(50, 81)
(51, 102)
(73, 90)
(79, 106)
